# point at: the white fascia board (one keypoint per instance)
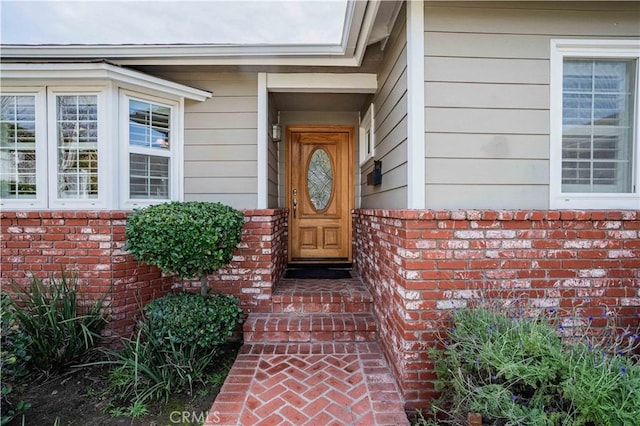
(179, 57)
(322, 82)
(352, 23)
(66, 71)
(68, 51)
(246, 61)
(359, 20)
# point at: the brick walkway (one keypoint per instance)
(313, 361)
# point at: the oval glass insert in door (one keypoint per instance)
(320, 179)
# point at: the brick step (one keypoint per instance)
(321, 296)
(311, 327)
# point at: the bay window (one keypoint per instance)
(594, 124)
(110, 140)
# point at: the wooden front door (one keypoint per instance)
(320, 193)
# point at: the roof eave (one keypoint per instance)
(359, 21)
(28, 71)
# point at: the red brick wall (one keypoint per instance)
(91, 244)
(258, 263)
(419, 265)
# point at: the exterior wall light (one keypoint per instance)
(276, 130)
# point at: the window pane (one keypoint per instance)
(17, 147)
(77, 142)
(149, 125)
(149, 177)
(598, 98)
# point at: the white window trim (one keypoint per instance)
(560, 49)
(40, 200)
(105, 156)
(367, 126)
(174, 153)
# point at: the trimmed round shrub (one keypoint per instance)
(191, 239)
(194, 320)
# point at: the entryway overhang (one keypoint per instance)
(312, 83)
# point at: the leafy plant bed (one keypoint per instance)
(515, 368)
(80, 396)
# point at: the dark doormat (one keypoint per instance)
(317, 273)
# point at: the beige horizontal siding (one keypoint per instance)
(220, 152)
(220, 136)
(475, 120)
(488, 171)
(385, 198)
(482, 95)
(483, 70)
(473, 145)
(226, 104)
(466, 45)
(487, 94)
(541, 19)
(205, 169)
(220, 120)
(390, 126)
(213, 153)
(222, 185)
(398, 133)
(517, 197)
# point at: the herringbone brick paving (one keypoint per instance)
(309, 384)
(313, 361)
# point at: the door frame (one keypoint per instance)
(350, 174)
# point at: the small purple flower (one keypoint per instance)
(494, 378)
(620, 352)
(590, 318)
(552, 311)
(623, 370)
(561, 327)
(635, 337)
(514, 398)
(477, 361)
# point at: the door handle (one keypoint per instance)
(294, 202)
